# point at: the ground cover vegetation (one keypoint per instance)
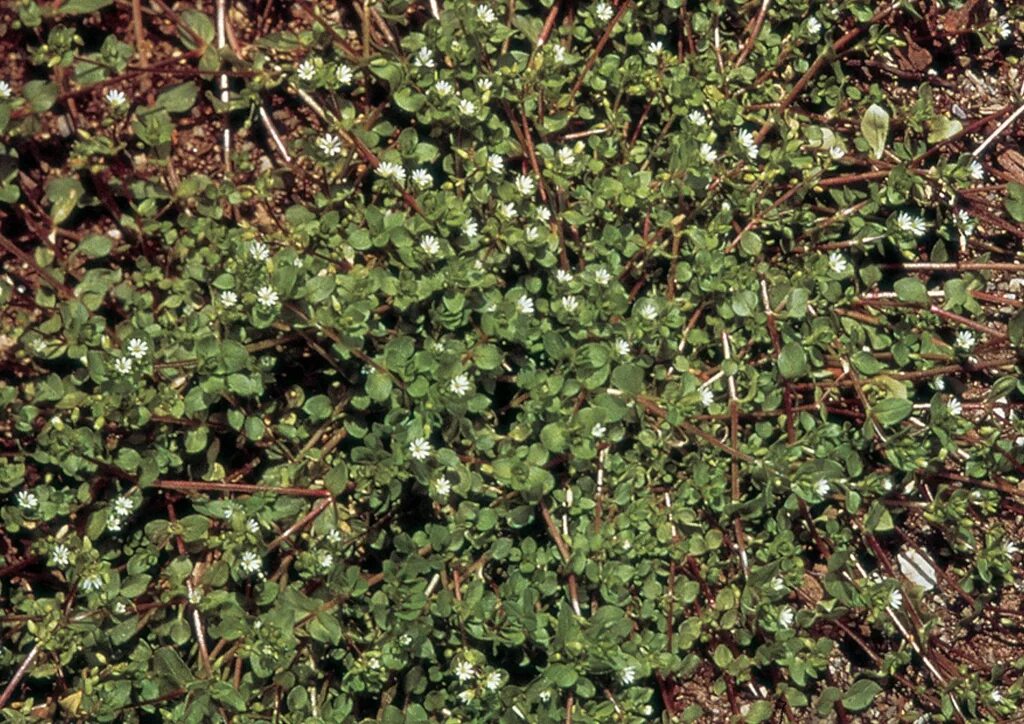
(540, 360)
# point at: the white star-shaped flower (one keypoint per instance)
(250, 563)
(495, 164)
(485, 15)
(895, 600)
(441, 486)
(228, 298)
(344, 74)
(492, 682)
(909, 224)
(443, 88)
(424, 58)
(786, 617)
(123, 365)
(259, 251)
(955, 407)
(123, 505)
(421, 178)
(467, 107)
(93, 582)
(329, 145)
(707, 153)
(563, 277)
(707, 396)
(601, 276)
(391, 170)
(484, 84)
(598, 431)
(420, 448)
(566, 157)
(430, 245)
(471, 229)
(966, 340)
(603, 11)
(115, 98)
(570, 303)
(266, 296)
(525, 185)
(325, 559)
(622, 348)
(306, 70)
(648, 310)
(836, 152)
(460, 385)
(61, 555)
(465, 671)
(26, 499)
(507, 210)
(837, 263)
(137, 348)
(524, 305)
(977, 170)
(822, 487)
(654, 48)
(813, 26)
(628, 675)
(697, 118)
(746, 139)
(5, 89)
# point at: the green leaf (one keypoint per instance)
(890, 412)
(1015, 328)
(553, 437)
(912, 290)
(40, 94)
(759, 711)
(629, 378)
(177, 98)
(1015, 200)
(378, 386)
(792, 361)
(63, 194)
(874, 126)
(80, 7)
(488, 357)
(96, 246)
(860, 695)
(940, 128)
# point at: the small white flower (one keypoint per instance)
(93, 582)
(137, 348)
(325, 559)
(467, 107)
(61, 555)
(895, 599)
(443, 88)
(228, 298)
(306, 70)
(525, 185)
(252, 525)
(259, 251)
(464, 671)
(965, 222)
(420, 448)
(524, 305)
(654, 48)
(707, 396)
(430, 245)
(391, 170)
(888, 484)
(559, 52)
(334, 536)
(344, 74)
(570, 303)
(484, 84)
(404, 640)
(939, 384)
(1004, 29)
(467, 696)
(329, 145)
(123, 506)
(954, 407)
(545, 695)
(250, 563)
(601, 276)
(746, 139)
(566, 157)
(603, 11)
(123, 365)
(195, 596)
(424, 58)
(543, 213)
(1011, 549)
(5, 89)
(492, 682)
(485, 15)
(837, 263)
(471, 229)
(822, 487)
(532, 233)
(27, 500)
(115, 523)
(622, 348)
(786, 617)
(648, 310)
(442, 486)
(836, 152)
(697, 118)
(966, 340)
(507, 210)
(460, 385)
(598, 431)
(909, 224)
(563, 277)
(495, 163)
(777, 584)
(977, 170)
(421, 178)
(707, 153)
(628, 675)
(229, 510)
(996, 696)
(813, 26)
(115, 97)
(266, 296)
